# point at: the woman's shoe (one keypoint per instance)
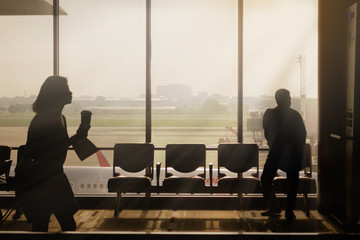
(271, 212)
(289, 215)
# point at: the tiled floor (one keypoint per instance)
(186, 221)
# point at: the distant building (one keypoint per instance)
(174, 91)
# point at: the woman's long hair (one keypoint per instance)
(52, 94)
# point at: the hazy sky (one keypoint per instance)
(194, 42)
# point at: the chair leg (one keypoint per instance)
(5, 216)
(147, 195)
(306, 204)
(241, 200)
(118, 204)
(1, 217)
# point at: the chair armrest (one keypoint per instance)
(211, 173)
(2, 180)
(308, 175)
(158, 168)
(221, 175)
(149, 172)
(116, 174)
(255, 175)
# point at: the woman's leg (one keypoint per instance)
(66, 220)
(40, 221)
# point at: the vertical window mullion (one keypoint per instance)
(240, 69)
(56, 36)
(148, 72)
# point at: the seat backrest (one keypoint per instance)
(185, 158)
(5, 162)
(306, 164)
(4, 153)
(238, 157)
(133, 157)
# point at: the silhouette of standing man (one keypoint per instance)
(285, 133)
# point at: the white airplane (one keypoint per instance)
(87, 181)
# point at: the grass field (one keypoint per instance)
(107, 130)
(23, 120)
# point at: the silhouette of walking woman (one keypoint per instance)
(43, 187)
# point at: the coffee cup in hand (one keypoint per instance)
(85, 118)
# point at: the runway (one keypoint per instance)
(108, 136)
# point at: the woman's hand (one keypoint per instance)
(80, 135)
(82, 131)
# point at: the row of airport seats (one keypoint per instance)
(237, 158)
(183, 159)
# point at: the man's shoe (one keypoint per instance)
(289, 215)
(271, 212)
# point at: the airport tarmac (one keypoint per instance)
(108, 136)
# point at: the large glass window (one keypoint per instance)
(25, 61)
(102, 52)
(194, 70)
(280, 51)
